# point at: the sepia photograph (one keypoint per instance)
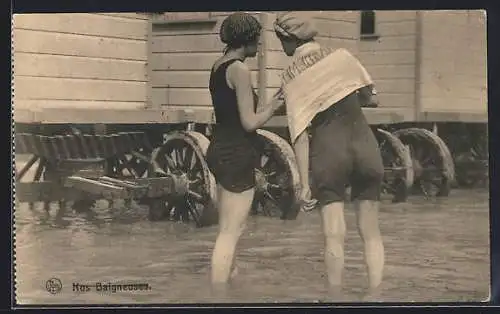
(250, 157)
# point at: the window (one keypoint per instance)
(368, 24)
(183, 17)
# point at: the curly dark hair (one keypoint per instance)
(239, 29)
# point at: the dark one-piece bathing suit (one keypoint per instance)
(232, 154)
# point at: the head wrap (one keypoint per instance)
(239, 29)
(298, 24)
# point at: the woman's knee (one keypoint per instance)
(368, 222)
(369, 232)
(234, 209)
(335, 231)
(334, 227)
(334, 236)
(232, 228)
(233, 224)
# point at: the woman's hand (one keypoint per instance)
(368, 97)
(278, 100)
(307, 202)
(275, 104)
(374, 103)
(305, 193)
(278, 103)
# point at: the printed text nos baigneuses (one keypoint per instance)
(110, 287)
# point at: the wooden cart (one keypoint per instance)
(129, 92)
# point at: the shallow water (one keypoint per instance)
(436, 250)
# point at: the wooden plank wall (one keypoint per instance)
(183, 54)
(336, 29)
(80, 60)
(454, 62)
(391, 58)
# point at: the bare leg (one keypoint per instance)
(368, 227)
(233, 213)
(334, 229)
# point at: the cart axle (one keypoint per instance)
(76, 188)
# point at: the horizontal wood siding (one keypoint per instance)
(80, 60)
(390, 59)
(335, 29)
(183, 54)
(454, 66)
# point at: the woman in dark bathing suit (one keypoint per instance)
(232, 156)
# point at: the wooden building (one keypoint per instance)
(432, 64)
(184, 51)
(427, 65)
(65, 62)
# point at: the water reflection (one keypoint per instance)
(436, 251)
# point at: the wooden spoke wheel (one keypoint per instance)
(183, 156)
(471, 157)
(277, 178)
(398, 176)
(432, 162)
(471, 169)
(134, 165)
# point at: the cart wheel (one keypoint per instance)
(135, 165)
(471, 167)
(399, 175)
(130, 166)
(277, 178)
(183, 156)
(432, 162)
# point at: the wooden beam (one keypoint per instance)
(465, 117)
(149, 66)
(166, 18)
(202, 115)
(262, 61)
(418, 64)
(117, 116)
(90, 186)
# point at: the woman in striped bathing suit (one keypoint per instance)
(232, 155)
(324, 91)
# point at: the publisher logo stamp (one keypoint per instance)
(53, 285)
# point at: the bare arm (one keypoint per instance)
(301, 149)
(240, 79)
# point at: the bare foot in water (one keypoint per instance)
(336, 294)
(221, 290)
(373, 294)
